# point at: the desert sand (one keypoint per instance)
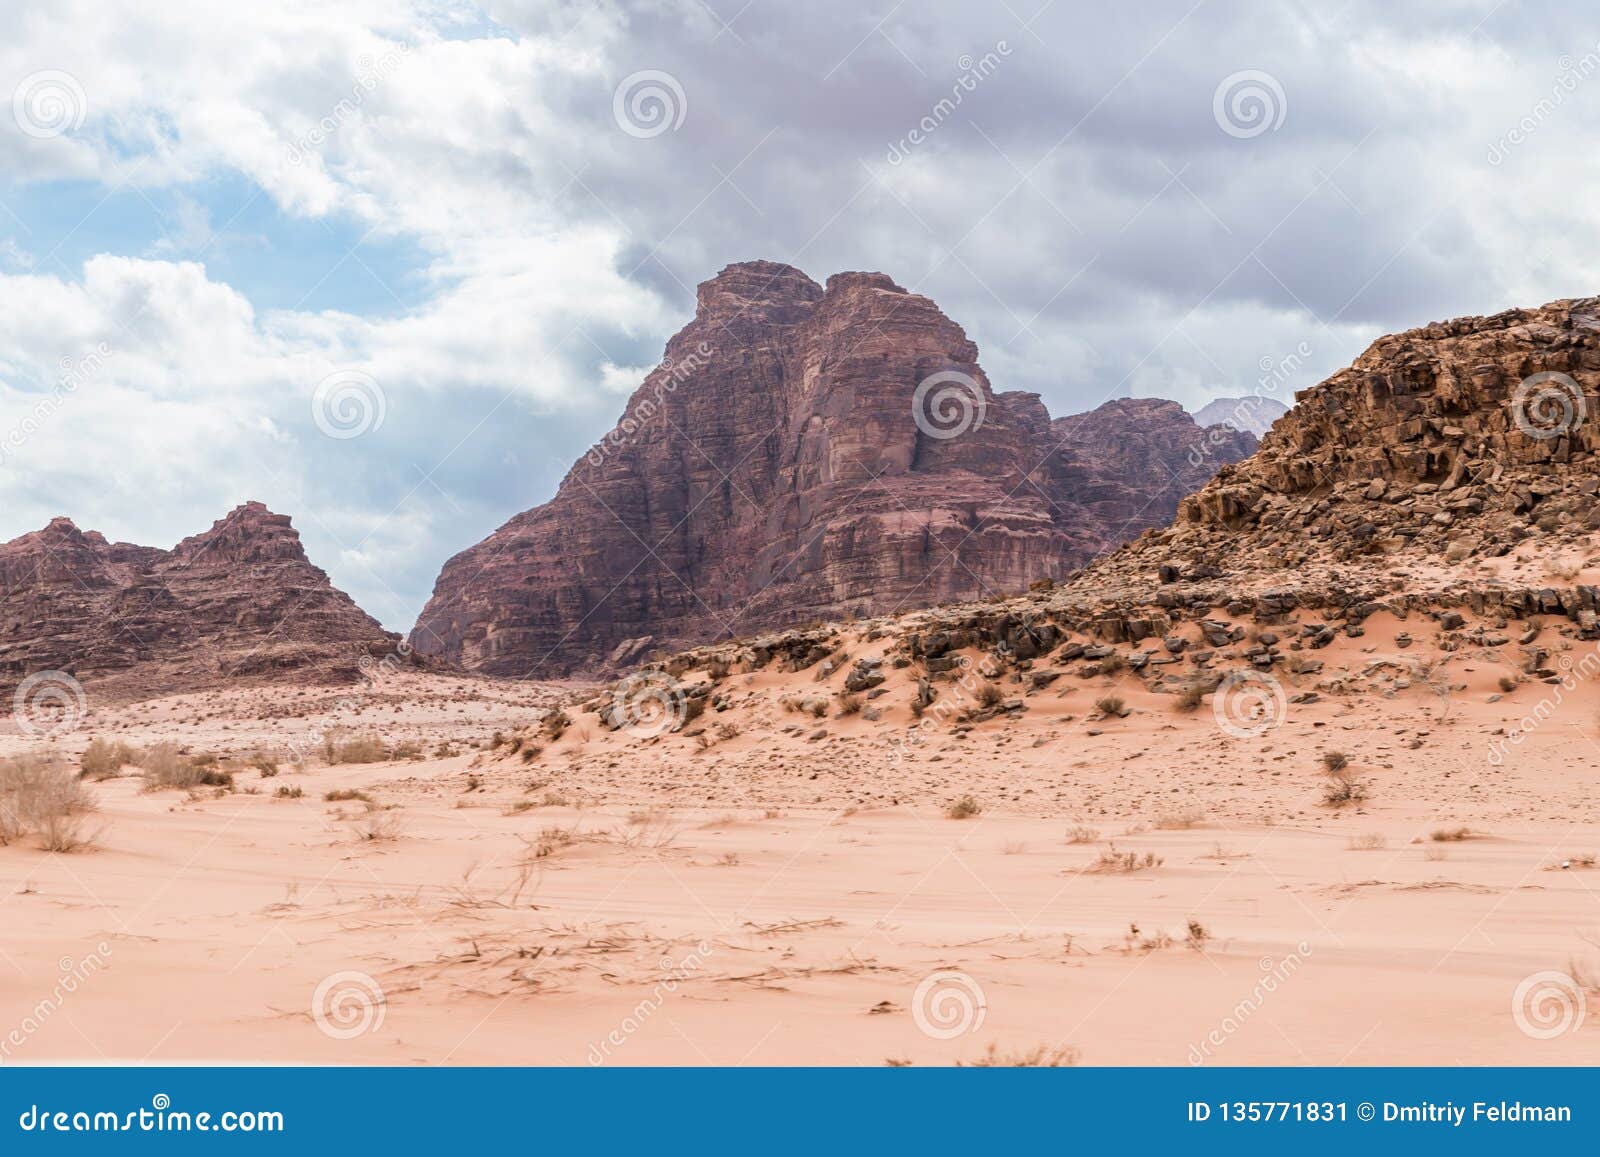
(766, 887)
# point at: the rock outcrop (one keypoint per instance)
(806, 453)
(239, 601)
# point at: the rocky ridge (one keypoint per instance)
(1447, 482)
(802, 453)
(239, 601)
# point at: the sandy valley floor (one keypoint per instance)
(782, 896)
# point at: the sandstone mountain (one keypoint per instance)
(1253, 413)
(239, 601)
(807, 452)
(1444, 490)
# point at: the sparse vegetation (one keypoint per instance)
(964, 808)
(1507, 684)
(164, 765)
(40, 795)
(1191, 697)
(377, 824)
(1180, 820)
(989, 694)
(1367, 842)
(1113, 861)
(102, 759)
(1196, 936)
(345, 795)
(1342, 787)
(285, 791)
(849, 703)
(555, 725)
(1334, 762)
(339, 748)
(1040, 1057)
(1082, 835)
(1450, 835)
(1109, 705)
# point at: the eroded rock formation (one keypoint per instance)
(807, 452)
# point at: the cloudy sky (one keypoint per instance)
(391, 265)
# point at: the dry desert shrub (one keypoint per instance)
(1450, 835)
(1180, 820)
(989, 694)
(339, 747)
(1343, 788)
(964, 808)
(1507, 684)
(1113, 861)
(1040, 1057)
(1191, 697)
(1109, 705)
(1082, 835)
(1196, 936)
(1334, 762)
(42, 796)
(1367, 842)
(555, 725)
(377, 824)
(102, 759)
(165, 765)
(345, 795)
(849, 703)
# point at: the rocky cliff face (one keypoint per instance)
(237, 601)
(807, 452)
